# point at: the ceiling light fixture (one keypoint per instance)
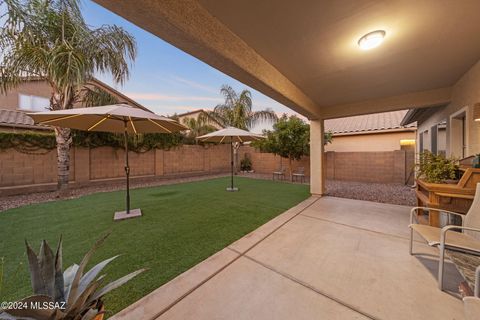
(371, 40)
(476, 111)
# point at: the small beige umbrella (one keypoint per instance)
(230, 135)
(112, 118)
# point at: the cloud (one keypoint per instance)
(168, 109)
(196, 85)
(166, 97)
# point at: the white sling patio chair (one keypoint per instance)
(467, 240)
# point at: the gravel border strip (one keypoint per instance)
(16, 201)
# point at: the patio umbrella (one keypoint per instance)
(120, 118)
(230, 135)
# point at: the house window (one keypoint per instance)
(32, 103)
(420, 142)
(425, 142)
(434, 139)
(458, 135)
(442, 138)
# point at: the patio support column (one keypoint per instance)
(317, 160)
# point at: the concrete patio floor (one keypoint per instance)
(326, 258)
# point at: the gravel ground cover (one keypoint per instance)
(377, 192)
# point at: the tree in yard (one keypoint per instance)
(290, 138)
(49, 40)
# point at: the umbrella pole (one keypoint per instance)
(127, 171)
(231, 162)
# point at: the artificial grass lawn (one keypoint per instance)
(182, 225)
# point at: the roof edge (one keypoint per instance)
(419, 114)
(381, 131)
(106, 87)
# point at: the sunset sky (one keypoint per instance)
(168, 80)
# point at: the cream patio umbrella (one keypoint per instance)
(120, 118)
(230, 135)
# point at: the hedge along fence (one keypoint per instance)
(41, 143)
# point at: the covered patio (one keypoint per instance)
(326, 258)
(307, 55)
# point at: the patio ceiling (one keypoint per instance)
(305, 55)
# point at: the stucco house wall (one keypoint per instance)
(388, 141)
(10, 101)
(466, 93)
(41, 88)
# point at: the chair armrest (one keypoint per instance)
(448, 228)
(477, 282)
(415, 209)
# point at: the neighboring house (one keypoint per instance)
(34, 96)
(372, 132)
(195, 114)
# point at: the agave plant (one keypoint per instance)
(69, 295)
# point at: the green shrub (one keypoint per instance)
(246, 164)
(38, 142)
(27, 142)
(436, 168)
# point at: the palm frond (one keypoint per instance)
(230, 95)
(92, 96)
(237, 110)
(262, 116)
(51, 39)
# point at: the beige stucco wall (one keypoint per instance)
(34, 88)
(41, 88)
(369, 142)
(466, 92)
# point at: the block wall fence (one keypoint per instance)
(380, 167)
(22, 173)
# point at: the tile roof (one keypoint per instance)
(14, 118)
(368, 123)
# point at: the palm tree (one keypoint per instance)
(199, 126)
(49, 40)
(237, 111)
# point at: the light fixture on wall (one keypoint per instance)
(476, 111)
(371, 40)
(407, 142)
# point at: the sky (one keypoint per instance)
(167, 80)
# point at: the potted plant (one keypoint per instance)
(476, 161)
(246, 164)
(435, 168)
(64, 295)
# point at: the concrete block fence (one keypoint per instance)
(22, 173)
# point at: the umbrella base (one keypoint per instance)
(122, 215)
(232, 189)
